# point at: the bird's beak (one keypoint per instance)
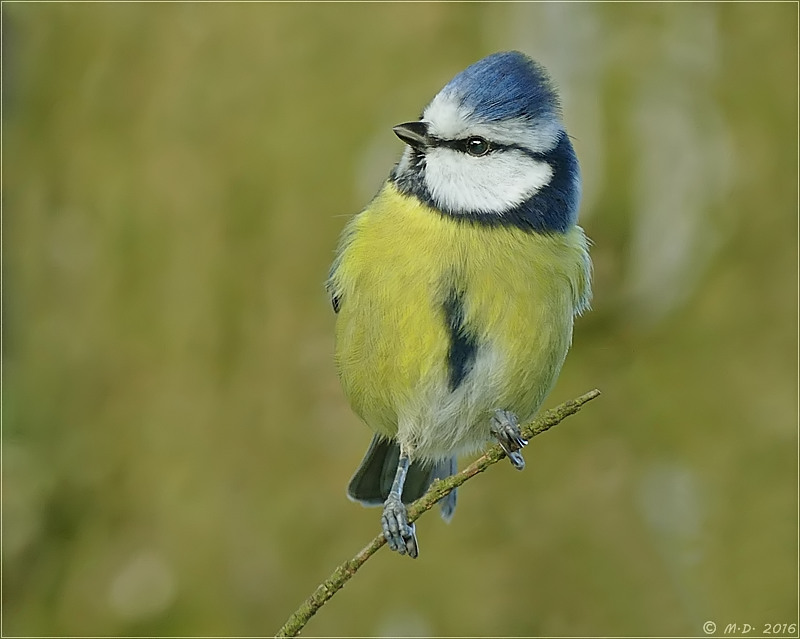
(414, 134)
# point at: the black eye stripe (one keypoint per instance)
(461, 146)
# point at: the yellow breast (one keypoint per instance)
(399, 266)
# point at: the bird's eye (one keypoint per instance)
(477, 146)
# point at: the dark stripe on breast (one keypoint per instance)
(463, 346)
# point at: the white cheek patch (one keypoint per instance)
(493, 183)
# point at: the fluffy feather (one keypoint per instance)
(397, 264)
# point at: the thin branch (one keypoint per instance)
(438, 489)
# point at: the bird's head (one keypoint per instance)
(490, 147)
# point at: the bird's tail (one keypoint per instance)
(372, 481)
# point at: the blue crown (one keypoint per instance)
(505, 85)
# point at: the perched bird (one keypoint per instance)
(457, 286)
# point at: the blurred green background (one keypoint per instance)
(175, 442)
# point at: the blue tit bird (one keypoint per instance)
(456, 288)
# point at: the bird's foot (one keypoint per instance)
(505, 428)
(399, 534)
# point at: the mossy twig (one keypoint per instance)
(438, 489)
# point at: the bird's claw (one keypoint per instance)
(399, 534)
(505, 428)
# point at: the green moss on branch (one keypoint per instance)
(342, 574)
